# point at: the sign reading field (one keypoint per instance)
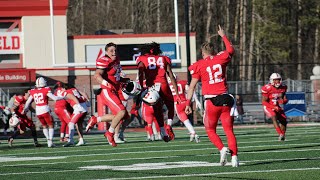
(296, 105)
(11, 43)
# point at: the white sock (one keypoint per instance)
(51, 133)
(71, 131)
(154, 129)
(169, 122)
(116, 135)
(111, 129)
(80, 139)
(46, 133)
(189, 126)
(61, 135)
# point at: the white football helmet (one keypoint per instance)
(168, 78)
(273, 77)
(14, 121)
(151, 97)
(41, 82)
(132, 88)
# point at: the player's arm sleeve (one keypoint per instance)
(53, 97)
(72, 98)
(229, 47)
(193, 69)
(28, 103)
(141, 69)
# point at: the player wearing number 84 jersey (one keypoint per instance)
(154, 67)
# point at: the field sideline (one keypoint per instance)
(261, 156)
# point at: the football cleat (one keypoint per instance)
(36, 144)
(80, 143)
(234, 161)
(121, 136)
(92, 121)
(10, 141)
(118, 140)
(50, 144)
(110, 138)
(166, 138)
(282, 137)
(223, 156)
(196, 138)
(70, 143)
(170, 132)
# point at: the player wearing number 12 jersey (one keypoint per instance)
(212, 73)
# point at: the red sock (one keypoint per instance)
(279, 130)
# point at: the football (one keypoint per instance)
(14, 121)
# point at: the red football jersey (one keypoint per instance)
(156, 67)
(273, 94)
(111, 69)
(181, 90)
(77, 94)
(212, 71)
(60, 103)
(20, 101)
(40, 96)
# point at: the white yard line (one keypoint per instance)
(215, 174)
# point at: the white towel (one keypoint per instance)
(234, 111)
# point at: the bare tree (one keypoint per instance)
(251, 45)
(299, 42)
(316, 39)
(209, 18)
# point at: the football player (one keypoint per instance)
(273, 95)
(108, 76)
(77, 101)
(154, 68)
(211, 70)
(25, 121)
(180, 107)
(151, 109)
(61, 110)
(40, 95)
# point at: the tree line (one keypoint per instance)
(268, 35)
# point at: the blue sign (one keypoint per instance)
(296, 105)
(168, 49)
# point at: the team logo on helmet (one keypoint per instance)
(151, 97)
(14, 121)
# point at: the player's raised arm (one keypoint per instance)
(229, 47)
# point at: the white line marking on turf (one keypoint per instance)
(155, 166)
(171, 176)
(11, 159)
(214, 174)
(90, 161)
